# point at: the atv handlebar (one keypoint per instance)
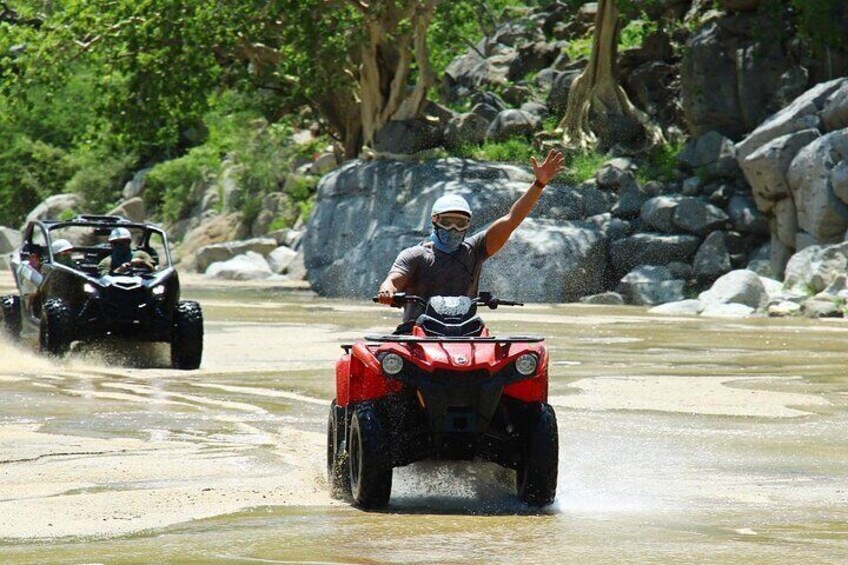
(399, 299)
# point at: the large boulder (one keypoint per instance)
(10, 239)
(53, 206)
(216, 252)
(737, 287)
(367, 212)
(132, 209)
(649, 285)
(801, 114)
(651, 249)
(814, 268)
(821, 213)
(248, 267)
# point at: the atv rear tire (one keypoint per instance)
(536, 479)
(187, 336)
(338, 468)
(11, 307)
(370, 460)
(56, 328)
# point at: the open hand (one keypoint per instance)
(550, 167)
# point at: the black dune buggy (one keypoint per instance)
(70, 297)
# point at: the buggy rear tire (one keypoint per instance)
(11, 309)
(56, 327)
(338, 468)
(370, 460)
(187, 335)
(536, 479)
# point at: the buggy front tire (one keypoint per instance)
(11, 309)
(187, 336)
(370, 460)
(536, 479)
(56, 327)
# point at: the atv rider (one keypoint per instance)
(448, 264)
(122, 259)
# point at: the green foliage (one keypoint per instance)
(511, 150)
(579, 48)
(100, 174)
(823, 22)
(634, 33)
(30, 171)
(660, 164)
(170, 184)
(582, 166)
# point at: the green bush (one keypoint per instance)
(169, 185)
(582, 166)
(511, 150)
(660, 164)
(101, 173)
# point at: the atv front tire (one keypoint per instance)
(187, 336)
(338, 462)
(11, 308)
(56, 328)
(536, 479)
(370, 460)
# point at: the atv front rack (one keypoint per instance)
(463, 339)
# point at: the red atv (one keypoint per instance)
(447, 391)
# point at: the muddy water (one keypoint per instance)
(685, 440)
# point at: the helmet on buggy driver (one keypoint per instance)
(119, 234)
(61, 245)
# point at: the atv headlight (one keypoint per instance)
(526, 364)
(392, 364)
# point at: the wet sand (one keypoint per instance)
(680, 439)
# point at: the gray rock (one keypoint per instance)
(784, 309)
(407, 137)
(53, 206)
(697, 217)
(630, 202)
(132, 209)
(658, 212)
(737, 287)
(766, 167)
(712, 155)
(651, 249)
(10, 239)
(839, 180)
(820, 212)
(247, 267)
(366, 212)
(648, 285)
(834, 115)
(814, 268)
(801, 114)
(218, 252)
(135, 186)
(744, 216)
(325, 162)
(466, 129)
(557, 100)
(692, 186)
(712, 259)
(512, 123)
(689, 307)
(821, 308)
(280, 259)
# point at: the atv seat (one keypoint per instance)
(451, 316)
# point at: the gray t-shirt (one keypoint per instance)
(431, 272)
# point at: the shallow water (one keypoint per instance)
(682, 439)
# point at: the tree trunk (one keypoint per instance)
(387, 58)
(599, 113)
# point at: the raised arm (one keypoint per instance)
(500, 230)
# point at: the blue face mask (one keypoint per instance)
(447, 241)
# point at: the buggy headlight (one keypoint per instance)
(158, 290)
(526, 364)
(392, 363)
(89, 288)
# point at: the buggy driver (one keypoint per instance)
(448, 263)
(122, 259)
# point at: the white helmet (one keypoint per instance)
(451, 203)
(119, 234)
(61, 245)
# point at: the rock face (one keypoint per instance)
(53, 206)
(367, 212)
(796, 166)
